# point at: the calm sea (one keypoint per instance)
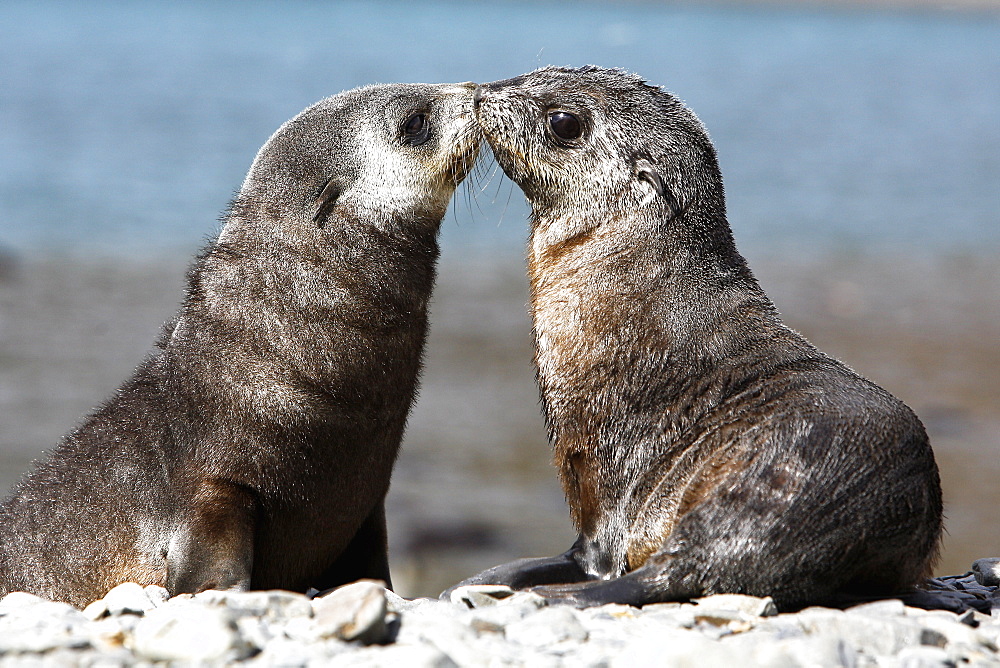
(126, 126)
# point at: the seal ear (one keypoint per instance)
(326, 198)
(646, 171)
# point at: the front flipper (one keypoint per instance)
(637, 588)
(524, 573)
(213, 546)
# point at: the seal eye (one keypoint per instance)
(416, 129)
(565, 125)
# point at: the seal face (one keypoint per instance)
(254, 447)
(703, 447)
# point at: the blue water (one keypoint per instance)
(126, 127)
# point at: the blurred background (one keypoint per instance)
(860, 145)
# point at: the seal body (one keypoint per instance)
(254, 448)
(703, 446)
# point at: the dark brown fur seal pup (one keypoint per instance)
(254, 448)
(703, 447)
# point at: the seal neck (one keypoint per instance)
(671, 279)
(636, 327)
(278, 312)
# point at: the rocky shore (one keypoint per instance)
(363, 624)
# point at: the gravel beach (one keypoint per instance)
(363, 624)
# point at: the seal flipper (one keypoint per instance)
(525, 573)
(213, 549)
(636, 588)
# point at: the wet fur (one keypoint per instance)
(254, 447)
(703, 447)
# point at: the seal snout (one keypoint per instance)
(503, 86)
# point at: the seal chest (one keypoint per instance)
(254, 447)
(702, 445)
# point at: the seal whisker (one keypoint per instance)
(480, 178)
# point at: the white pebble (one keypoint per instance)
(748, 605)
(987, 571)
(127, 598)
(353, 612)
(547, 627)
(185, 632)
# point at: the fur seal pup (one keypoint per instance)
(703, 447)
(253, 449)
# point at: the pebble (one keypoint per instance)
(353, 612)
(31, 625)
(194, 632)
(127, 598)
(550, 626)
(747, 605)
(480, 596)
(363, 624)
(987, 571)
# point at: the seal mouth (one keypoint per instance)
(490, 117)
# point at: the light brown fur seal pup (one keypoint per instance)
(703, 446)
(254, 447)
